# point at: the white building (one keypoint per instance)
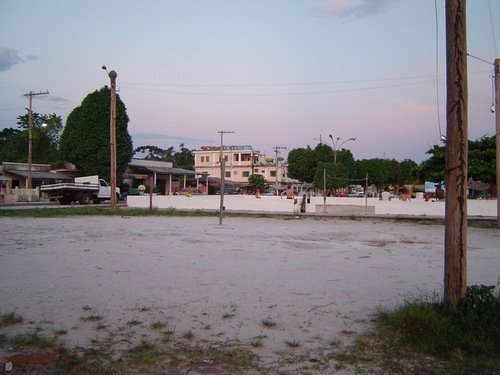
(240, 163)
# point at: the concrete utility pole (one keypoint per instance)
(112, 137)
(455, 251)
(277, 152)
(31, 94)
(222, 172)
(497, 126)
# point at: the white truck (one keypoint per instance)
(83, 190)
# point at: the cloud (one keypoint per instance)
(354, 8)
(8, 58)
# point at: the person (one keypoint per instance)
(3, 192)
(257, 192)
(289, 192)
(142, 189)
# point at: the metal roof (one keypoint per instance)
(165, 170)
(40, 175)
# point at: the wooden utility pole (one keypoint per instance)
(497, 126)
(31, 94)
(112, 139)
(455, 265)
(222, 173)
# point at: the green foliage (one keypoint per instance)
(183, 158)
(481, 161)
(336, 176)
(302, 164)
(10, 319)
(256, 181)
(45, 139)
(85, 139)
(472, 328)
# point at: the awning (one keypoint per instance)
(163, 170)
(40, 175)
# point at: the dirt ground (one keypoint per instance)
(285, 288)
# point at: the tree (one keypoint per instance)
(482, 160)
(156, 153)
(85, 139)
(184, 158)
(302, 164)
(45, 139)
(433, 169)
(12, 145)
(256, 181)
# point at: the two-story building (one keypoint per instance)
(240, 163)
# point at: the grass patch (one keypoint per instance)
(469, 334)
(9, 319)
(91, 318)
(158, 325)
(91, 210)
(269, 323)
(134, 322)
(292, 344)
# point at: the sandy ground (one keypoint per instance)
(318, 280)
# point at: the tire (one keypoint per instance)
(64, 201)
(84, 198)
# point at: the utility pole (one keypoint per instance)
(455, 251)
(222, 172)
(112, 137)
(497, 126)
(277, 152)
(31, 94)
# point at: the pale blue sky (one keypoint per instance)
(276, 72)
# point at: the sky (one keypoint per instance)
(277, 73)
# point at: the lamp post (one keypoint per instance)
(277, 152)
(112, 136)
(337, 144)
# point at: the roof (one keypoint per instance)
(40, 175)
(165, 170)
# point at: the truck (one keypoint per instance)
(83, 190)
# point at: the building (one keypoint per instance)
(15, 178)
(165, 178)
(240, 163)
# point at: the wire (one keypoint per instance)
(278, 94)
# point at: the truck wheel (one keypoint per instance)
(84, 198)
(64, 201)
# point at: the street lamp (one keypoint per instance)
(336, 145)
(112, 136)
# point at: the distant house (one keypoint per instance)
(16, 175)
(165, 178)
(240, 163)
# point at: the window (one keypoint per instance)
(225, 158)
(236, 157)
(246, 174)
(207, 159)
(228, 174)
(202, 159)
(272, 173)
